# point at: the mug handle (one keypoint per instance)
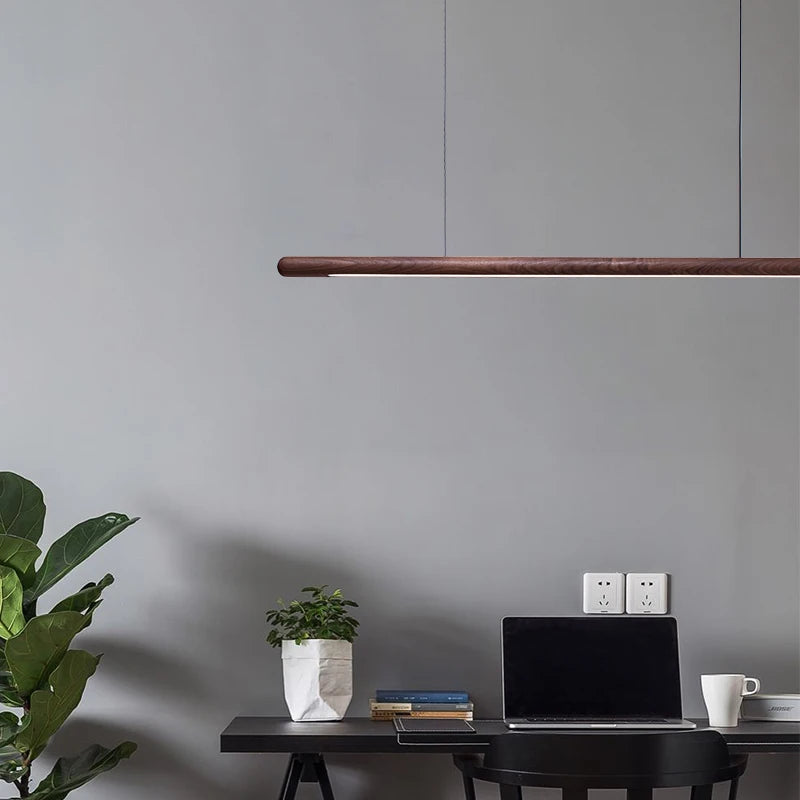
(756, 685)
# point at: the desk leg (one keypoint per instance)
(308, 768)
(322, 779)
(292, 778)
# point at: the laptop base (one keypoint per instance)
(588, 725)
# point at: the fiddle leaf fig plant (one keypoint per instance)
(41, 677)
(325, 615)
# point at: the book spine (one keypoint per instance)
(388, 696)
(422, 714)
(376, 706)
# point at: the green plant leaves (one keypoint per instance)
(9, 696)
(86, 599)
(74, 547)
(323, 616)
(70, 773)
(35, 652)
(50, 707)
(11, 619)
(9, 727)
(39, 674)
(20, 555)
(11, 767)
(22, 507)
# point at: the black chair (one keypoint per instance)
(576, 762)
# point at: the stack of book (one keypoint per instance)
(389, 703)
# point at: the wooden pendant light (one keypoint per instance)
(323, 267)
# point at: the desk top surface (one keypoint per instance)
(363, 735)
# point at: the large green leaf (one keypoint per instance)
(39, 647)
(9, 727)
(21, 507)
(74, 547)
(70, 773)
(11, 619)
(87, 598)
(21, 555)
(50, 707)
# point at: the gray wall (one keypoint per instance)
(447, 451)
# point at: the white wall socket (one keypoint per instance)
(603, 593)
(647, 593)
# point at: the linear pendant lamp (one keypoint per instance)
(323, 267)
(448, 266)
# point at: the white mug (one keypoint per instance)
(723, 697)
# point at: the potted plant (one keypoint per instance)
(41, 678)
(315, 635)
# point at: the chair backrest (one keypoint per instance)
(657, 758)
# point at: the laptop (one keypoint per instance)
(587, 673)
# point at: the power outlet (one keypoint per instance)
(647, 593)
(603, 593)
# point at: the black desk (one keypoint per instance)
(307, 742)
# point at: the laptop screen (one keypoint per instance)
(591, 667)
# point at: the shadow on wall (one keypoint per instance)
(208, 662)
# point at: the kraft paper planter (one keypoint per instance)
(317, 678)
